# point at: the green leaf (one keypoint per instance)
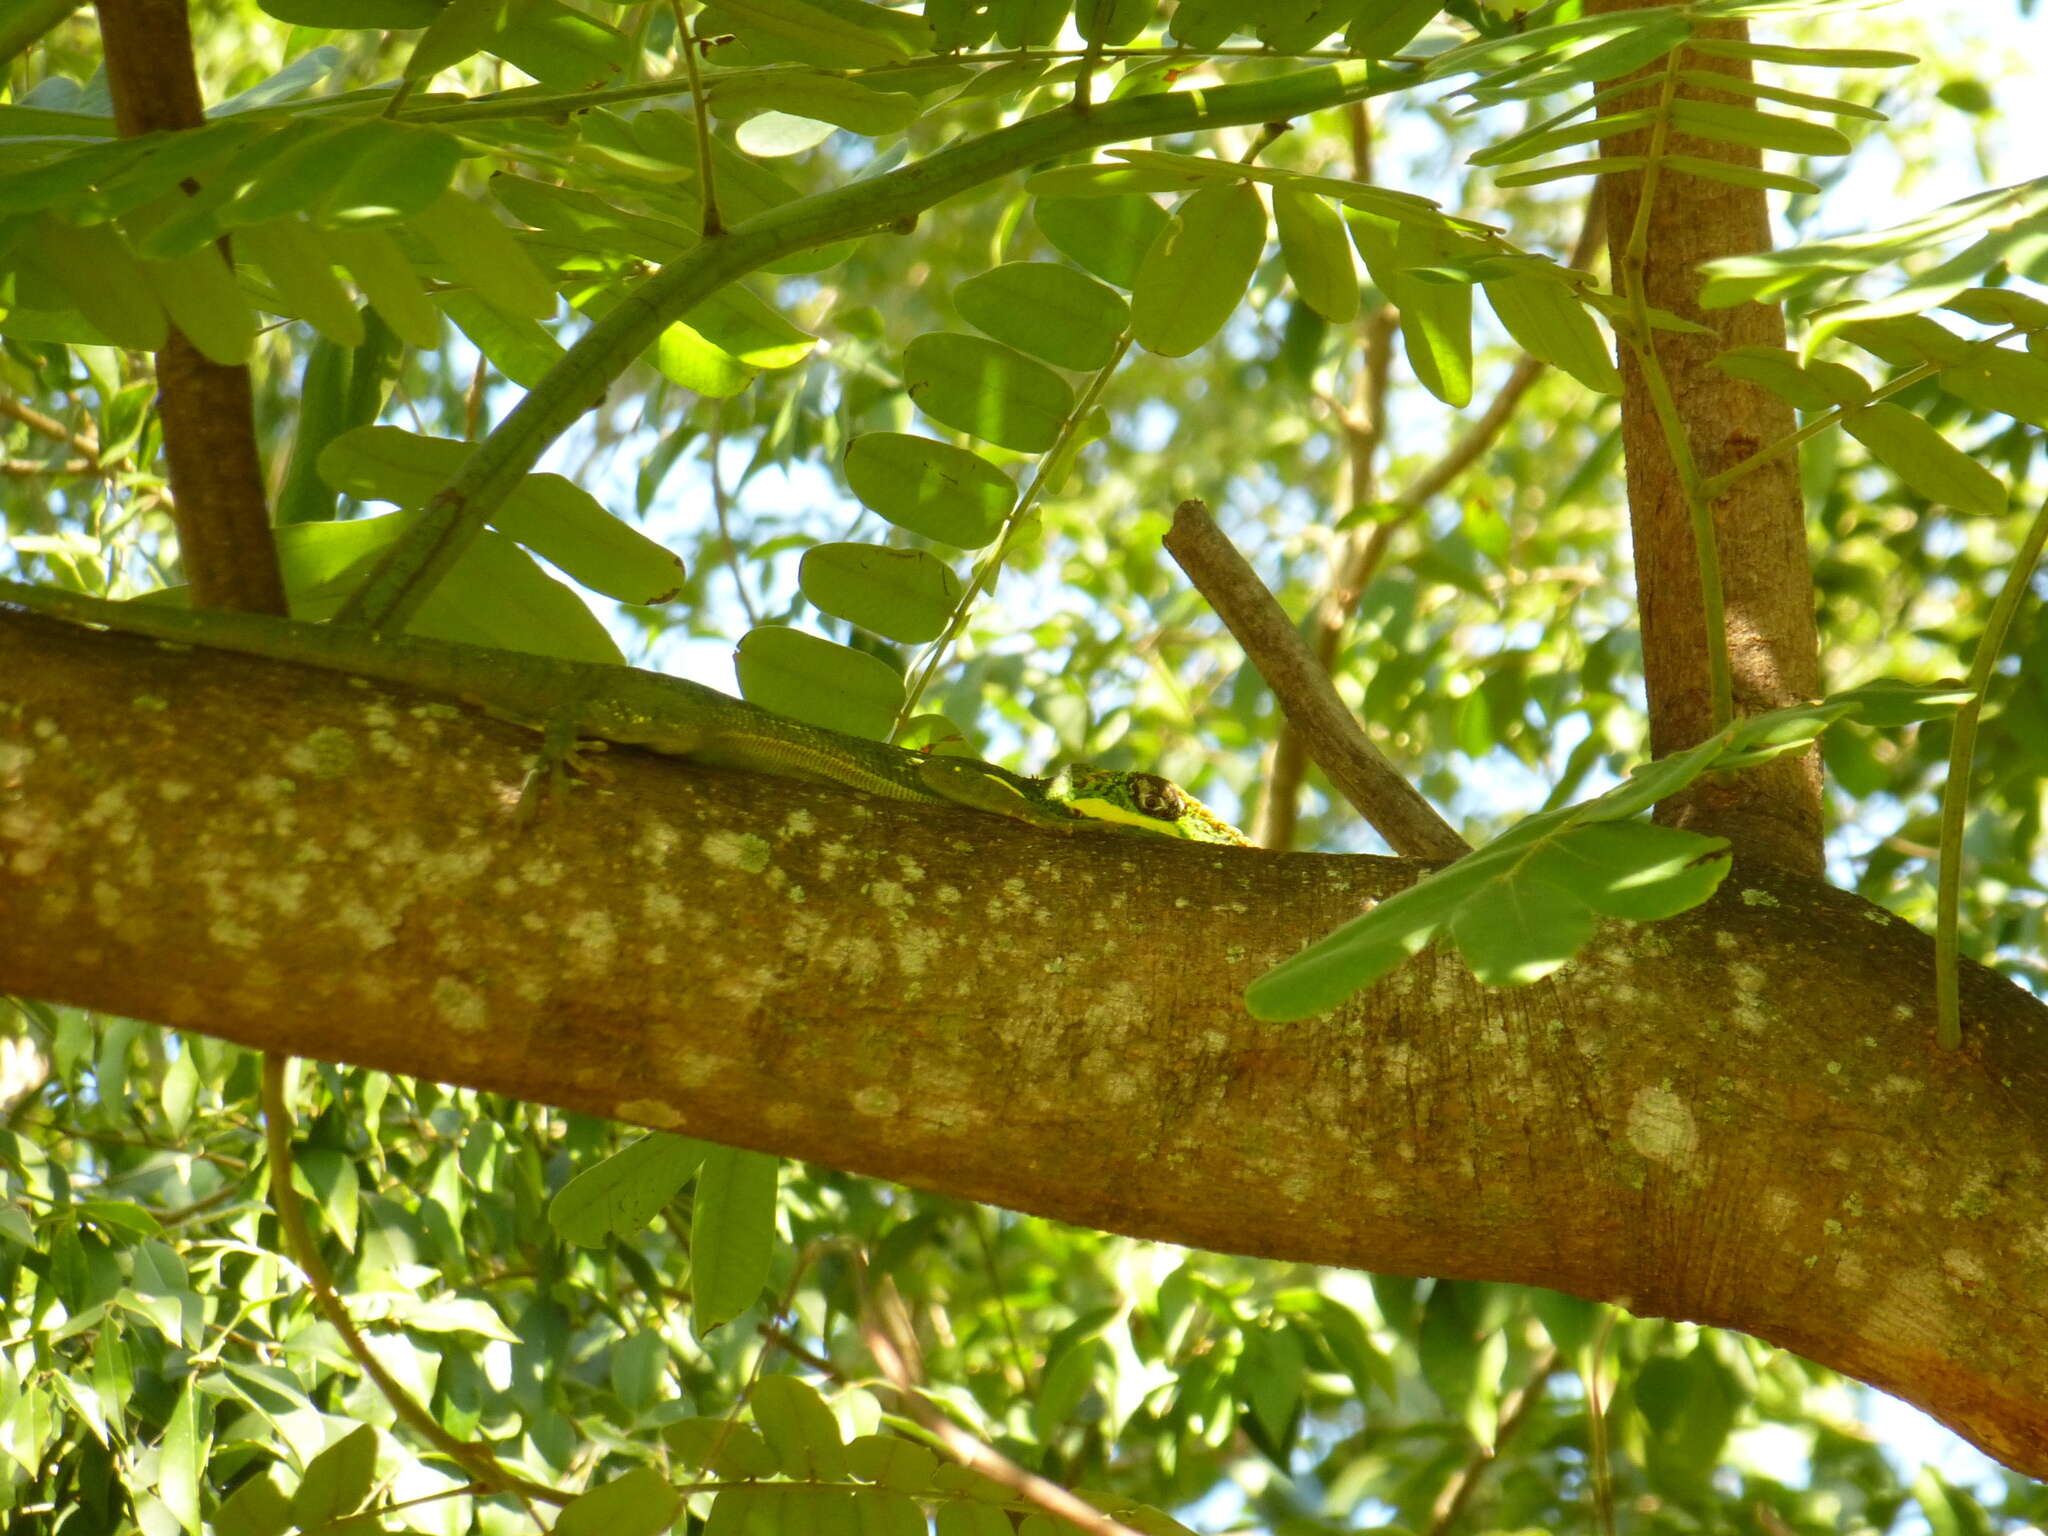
(369, 15)
(1318, 255)
(987, 389)
(637, 1503)
(1104, 179)
(808, 94)
(686, 358)
(520, 348)
(106, 283)
(1888, 702)
(1066, 1380)
(620, 1195)
(1727, 123)
(965, 1517)
(586, 222)
(481, 253)
(1269, 1378)
(1202, 25)
(1518, 907)
(732, 1234)
(722, 1446)
(884, 1512)
(1543, 313)
(362, 173)
(1924, 459)
(1198, 269)
(1603, 165)
(1462, 1360)
(200, 295)
(563, 48)
(1199, 169)
(1717, 81)
(800, 1429)
(891, 1461)
(1109, 239)
(1112, 22)
(256, 1508)
(463, 29)
(742, 324)
(295, 82)
(1547, 138)
(770, 135)
(1819, 58)
(1383, 30)
(832, 34)
(1436, 318)
(903, 594)
(931, 488)
(1048, 310)
(302, 272)
(1029, 23)
(182, 1468)
(388, 283)
(2001, 307)
(818, 682)
(1808, 387)
(337, 1481)
(1735, 175)
(553, 516)
(1690, 1406)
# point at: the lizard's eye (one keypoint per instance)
(1161, 799)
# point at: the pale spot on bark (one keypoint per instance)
(882, 1103)
(1661, 1127)
(460, 1006)
(652, 1113)
(736, 850)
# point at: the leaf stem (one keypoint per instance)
(1955, 791)
(457, 512)
(700, 112)
(1054, 459)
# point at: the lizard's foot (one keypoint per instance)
(563, 756)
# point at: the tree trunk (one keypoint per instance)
(1738, 1116)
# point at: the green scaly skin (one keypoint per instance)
(577, 701)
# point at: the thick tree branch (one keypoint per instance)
(1737, 1116)
(1772, 812)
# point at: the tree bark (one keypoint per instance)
(1738, 1116)
(216, 475)
(1771, 813)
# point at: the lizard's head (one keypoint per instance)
(1134, 799)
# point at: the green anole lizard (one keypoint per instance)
(575, 701)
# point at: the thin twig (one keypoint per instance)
(29, 469)
(1396, 809)
(1362, 554)
(710, 224)
(990, 567)
(892, 1357)
(975, 1216)
(1601, 1470)
(81, 442)
(714, 444)
(477, 1460)
(1514, 1411)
